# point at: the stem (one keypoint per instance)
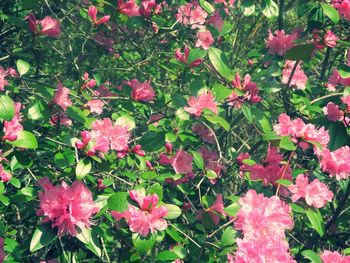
(285, 170)
(281, 15)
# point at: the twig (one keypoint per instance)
(194, 242)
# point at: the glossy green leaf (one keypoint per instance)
(143, 244)
(220, 62)
(173, 211)
(42, 236)
(316, 220)
(312, 256)
(90, 239)
(118, 201)
(331, 12)
(300, 52)
(228, 237)
(287, 144)
(7, 108)
(25, 139)
(269, 8)
(22, 67)
(83, 168)
(198, 160)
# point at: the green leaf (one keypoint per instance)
(196, 53)
(37, 110)
(166, 256)
(143, 244)
(218, 120)
(344, 71)
(331, 12)
(152, 141)
(220, 62)
(79, 116)
(297, 209)
(156, 189)
(42, 236)
(210, 174)
(228, 237)
(312, 256)
(198, 160)
(118, 201)
(173, 211)
(89, 238)
(25, 139)
(300, 52)
(316, 220)
(221, 92)
(287, 144)
(269, 8)
(83, 168)
(126, 120)
(232, 209)
(7, 108)
(22, 67)
(284, 182)
(247, 111)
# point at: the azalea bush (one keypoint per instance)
(174, 131)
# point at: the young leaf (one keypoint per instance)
(22, 67)
(228, 237)
(312, 256)
(173, 211)
(331, 12)
(7, 108)
(316, 220)
(287, 144)
(232, 209)
(42, 237)
(344, 71)
(25, 139)
(83, 168)
(269, 8)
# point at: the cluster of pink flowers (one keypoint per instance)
(316, 194)
(334, 257)
(141, 91)
(333, 113)
(269, 171)
(130, 7)
(204, 39)
(191, 14)
(5, 73)
(343, 7)
(299, 78)
(61, 99)
(66, 207)
(215, 211)
(5, 176)
(280, 42)
(335, 163)
(104, 136)
(145, 219)
(263, 222)
(47, 26)
(204, 133)
(183, 58)
(328, 39)
(13, 127)
(204, 100)
(245, 91)
(92, 13)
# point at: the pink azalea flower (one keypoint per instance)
(61, 119)
(330, 39)
(299, 78)
(66, 207)
(335, 79)
(95, 106)
(203, 101)
(343, 7)
(13, 127)
(145, 219)
(280, 42)
(316, 194)
(336, 163)
(204, 133)
(248, 87)
(4, 176)
(332, 112)
(267, 249)
(129, 7)
(183, 58)
(260, 216)
(204, 39)
(182, 162)
(217, 209)
(3, 82)
(61, 97)
(346, 100)
(226, 2)
(191, 14)
(50, 27)
(334, 257)
(92, 13)
(141, 91)
(146, 7)
(216, 20)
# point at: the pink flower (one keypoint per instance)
(330, 39)
(141, 91)
(346, 100)
(191, 14)
(13, 127)
(146, 7)
(211, 161)
(280, 42)
(3, 82)
(343, 7)
(183, 58)
(260, 216)
(50, 27)
(148, 217)
(217, 209)
(267, 249)
(334, 257)
(316, 194)
(203, 101)
(4, 176)
(336, 163)
(299, 78)
(129, 8)
(61, 97)
(226, 2)
(204, 133)
(95, 106)
(182, 162)
(248, 87)
(204, 39)
(66, 207)
(335, 79)
(92, 13)
(216, 20)
(332, 112)
(61, 119)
